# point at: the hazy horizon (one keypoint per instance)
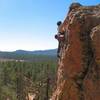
(27, 50)
(31, 24)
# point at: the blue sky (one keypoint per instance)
(31, 24)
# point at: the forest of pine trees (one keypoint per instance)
(18, 79)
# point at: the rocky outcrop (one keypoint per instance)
(78, 76)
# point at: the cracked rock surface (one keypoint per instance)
(78, 76)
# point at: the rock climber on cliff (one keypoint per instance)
(60, 37)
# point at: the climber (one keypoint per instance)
(60, 37)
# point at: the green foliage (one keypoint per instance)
(17, 78)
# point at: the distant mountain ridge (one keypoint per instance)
(28, 55)
(37, 52)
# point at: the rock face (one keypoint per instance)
(78, 76)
